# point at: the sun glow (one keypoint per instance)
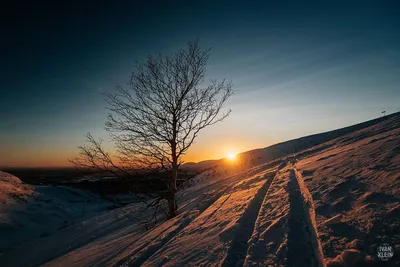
(231, 155)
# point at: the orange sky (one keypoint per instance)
(236, 134)
(49, 156)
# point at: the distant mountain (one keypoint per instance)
(260, 155)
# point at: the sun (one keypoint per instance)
(231, 155)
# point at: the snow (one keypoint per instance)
(327, 204)
(268, 240)
(208, 235)
(355, 187)
(12, 190)
(28, 212)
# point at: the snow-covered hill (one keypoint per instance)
(28, 212)
(328, 204)
(12, 189)
(261, 155)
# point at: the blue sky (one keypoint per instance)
(297, 68)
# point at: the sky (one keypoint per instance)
(298, 68)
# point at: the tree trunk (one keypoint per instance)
(172, 205)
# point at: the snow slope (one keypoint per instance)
(283, 149)
(329, 204)
(28, 212)
(12, 189)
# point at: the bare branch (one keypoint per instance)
(157, 117)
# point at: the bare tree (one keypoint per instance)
(154, 121)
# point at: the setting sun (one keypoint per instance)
(231, 155)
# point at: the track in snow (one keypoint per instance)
(238, 249)
(303, 247)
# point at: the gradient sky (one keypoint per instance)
(297, 68)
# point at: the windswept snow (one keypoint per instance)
(355, 185)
